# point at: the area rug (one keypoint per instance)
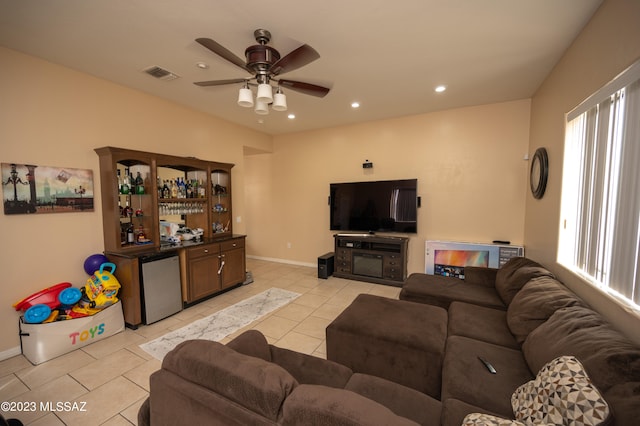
(219, 325)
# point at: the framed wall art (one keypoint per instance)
(31, 189)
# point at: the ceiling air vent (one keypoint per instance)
(161, 73)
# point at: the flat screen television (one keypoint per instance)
(378, 206)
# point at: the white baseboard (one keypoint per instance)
(289, 262)
(10, 353)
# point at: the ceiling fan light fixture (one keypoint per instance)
(265, 65)
(279, 101)
(245, 97)
(265, 93)
(262, 108)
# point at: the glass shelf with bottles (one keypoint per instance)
(133, 200)
(181, 188)
(221, 202)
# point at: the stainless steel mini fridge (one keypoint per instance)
(160, 281)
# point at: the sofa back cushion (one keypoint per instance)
(516, 273)
(610, 359)
(308, 369)
(608, 356)
(535, 303)
(252, 343)
(251, 382)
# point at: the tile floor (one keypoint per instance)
(111, 377)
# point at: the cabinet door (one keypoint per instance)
(203, 272)
(129, 294)
(233, 270)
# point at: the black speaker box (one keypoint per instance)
(325, 265)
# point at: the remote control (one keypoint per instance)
(488, 365)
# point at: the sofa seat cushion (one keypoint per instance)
(465, 378)
(254, 383)
(561, 393)
(441, 291)
(480, 323)
(515, 274)
(535, 303)
(400, 399)
(321, 405)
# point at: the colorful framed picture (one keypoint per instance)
(30, 189)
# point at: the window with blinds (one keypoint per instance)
(600, 209)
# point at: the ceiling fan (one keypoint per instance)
(265, 64)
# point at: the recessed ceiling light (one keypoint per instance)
(355, 105)
(202, 65)
(440, 89)
(291, 116)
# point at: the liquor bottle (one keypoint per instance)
(126, 183)
(182, 188)
(139, 184)
(202, 191)
(166, 192)
(127, 211)
(159, 187)
(194, 188)
(174, 189)
(189, 189)
(119, 182)
(131, 238)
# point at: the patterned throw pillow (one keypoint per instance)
(561, 394)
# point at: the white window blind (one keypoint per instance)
(600, 217)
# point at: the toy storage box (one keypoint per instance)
(42, 342)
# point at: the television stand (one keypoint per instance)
(371, 258)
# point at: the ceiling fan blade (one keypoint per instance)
(223, 52)
(219, 82)
(306, 88)
(300, 57)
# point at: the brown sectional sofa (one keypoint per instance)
(518, 318)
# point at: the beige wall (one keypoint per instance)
(469, 162)
(608, 44)
(53, 116)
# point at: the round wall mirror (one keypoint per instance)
(539, 173)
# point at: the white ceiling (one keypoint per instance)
(387, 55)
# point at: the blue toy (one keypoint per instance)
(69, 297)
(37, 314)
(93, 263)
